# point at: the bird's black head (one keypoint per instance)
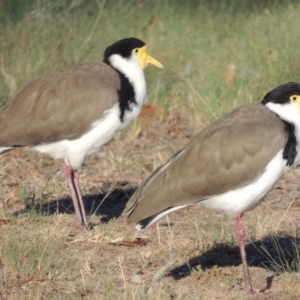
(283, 94)
(122, 47)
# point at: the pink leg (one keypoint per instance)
(73, 183)
(240, 237)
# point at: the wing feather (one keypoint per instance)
(228, 154)
(58, 106)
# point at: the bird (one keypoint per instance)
(230, 165)
(71, 113)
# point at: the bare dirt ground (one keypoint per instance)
(190, 254)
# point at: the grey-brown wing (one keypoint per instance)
(226, 155)
(62, 105)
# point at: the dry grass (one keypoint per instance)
(190, 254)
(216, 57)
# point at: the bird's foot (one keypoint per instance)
(83, 227)
(250, 291)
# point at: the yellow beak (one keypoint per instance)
(144, 59)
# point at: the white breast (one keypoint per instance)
(102, 131)
(246, 198)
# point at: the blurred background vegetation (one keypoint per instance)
(216, 54)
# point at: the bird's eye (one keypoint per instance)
(136, 50)
(294, 98)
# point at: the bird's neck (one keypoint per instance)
(130, 70)
(132, 92)
(290, 117)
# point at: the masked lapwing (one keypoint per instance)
(230, 165)
(71, 113)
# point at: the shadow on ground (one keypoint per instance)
(276, 253)
(108, 205)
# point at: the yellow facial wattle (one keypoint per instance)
(145, 58)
